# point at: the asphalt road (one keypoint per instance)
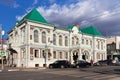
(93, 73)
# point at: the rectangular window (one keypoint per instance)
(98, 55)
(54, 54)
(66, 55)
(30, 37)
(36, 54)
(60, 55)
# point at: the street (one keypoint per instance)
(92, 73)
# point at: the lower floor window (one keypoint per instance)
(36, 53)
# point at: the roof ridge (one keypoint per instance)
(91, 30)
(34, 15)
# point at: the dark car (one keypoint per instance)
(60, 64)
(103, 63)
(81, 63)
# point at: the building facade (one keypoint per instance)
(36, 42)
(113, 47)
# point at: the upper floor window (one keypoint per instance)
(66, 41)
(73, 41)
(60, 40)
(54, 39)
(77, 41)
(36, 39)
(91, 43)
(102, 45)
(98, 45)
(82, 41)
(43, 37)
(86, 42)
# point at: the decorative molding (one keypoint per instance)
(40, 29)
(31, 27)
(48, 30)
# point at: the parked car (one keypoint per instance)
(117, 63)
(81, 63)
(60, 64)
(103, 63)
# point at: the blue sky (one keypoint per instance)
(103, 14)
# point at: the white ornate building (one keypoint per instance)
(36, 42)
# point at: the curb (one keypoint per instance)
(28, 69)
(13, 70)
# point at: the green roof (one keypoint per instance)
(34, 15)
(70, 27)
(91, 30)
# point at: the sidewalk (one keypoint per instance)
(6, 68)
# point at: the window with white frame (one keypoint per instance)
(54, 54)
(36, 39)
(102, 45)
(36, 53)
(60, 55)
(83, 41)
(60, 40)
(43, 37)
(73, 41)
(98, 55)
(66, 55)
(91, 43)
(54, 39)
(98, 44)
(86, 42)
(77, 41)
(66, 41)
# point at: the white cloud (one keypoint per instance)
(19, 17)
(67, 13)
(35, 2)
(16, 5)
(86, 12)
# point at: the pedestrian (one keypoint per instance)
(91, 61)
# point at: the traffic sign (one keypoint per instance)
(2, 53)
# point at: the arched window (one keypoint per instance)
(98, 45)
(43, 37)
(86, 42)
(66, 41)
(91, 43)
(102, 45)
(73, 41)
(82, 41)
(36, 39)
(60, 40)
(54, 39)
(77, 41)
